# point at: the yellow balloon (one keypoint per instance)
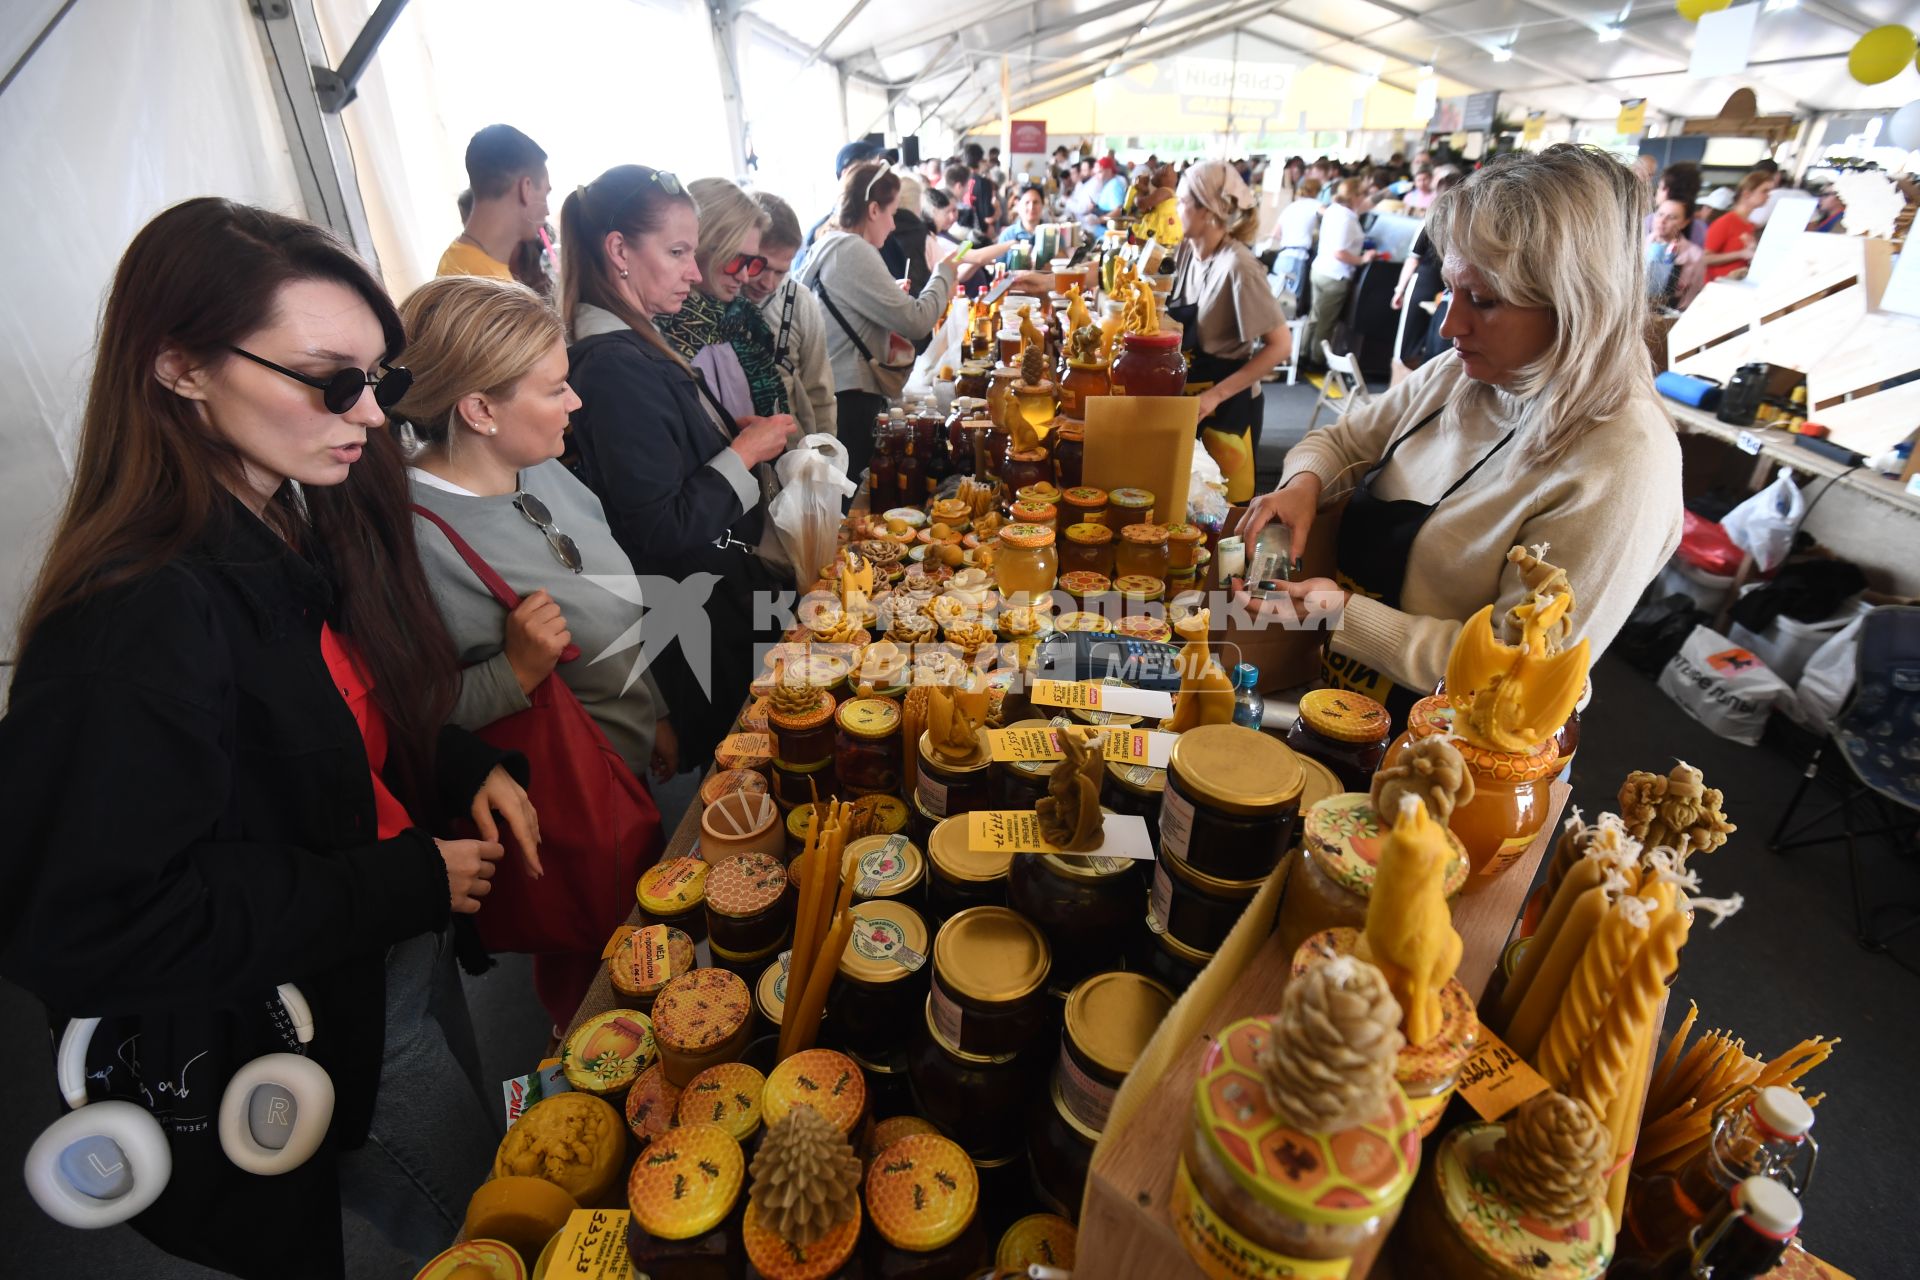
(1692, 10)
(1881, 54)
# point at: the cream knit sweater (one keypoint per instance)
(1609, 508)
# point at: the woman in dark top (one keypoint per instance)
(225, 748)
(1420, 282)
(683, 482)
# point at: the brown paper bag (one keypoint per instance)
(1143, 442)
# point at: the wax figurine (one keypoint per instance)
(1410, 934)
(1206, 694)
(1070, 811)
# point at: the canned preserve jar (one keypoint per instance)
(1232, 798)
(1084, 905)
(980, 1100)
(883, 979)
(1345, 731)
(990, 967)
(866, 754)
(1197, 909)
(959, 878)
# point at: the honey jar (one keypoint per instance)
(866, 755)
(1233, 796)
(1044, 514)
(727, 1095)
(960, 877)
(643, 960)
(1141, 551)
(651, 1104)
(1027, 563)
(1084, 504)
(804, 740)
(701, 1019)
(980, 1100)
(942, 787)
(1136, 789)
(1085, 905)
(1129, 506)
(673, 892)
(824, 1079)
(685, 1195)
(883, 977)
(1184, 544)
(749, 916)
(1331, 882)
(1345, 731)
(1169, 961)
(1020, 783)
(1510, 801)
(1088, 549)
(990, 967)
(1198, 909)
(606, 1052)
(888, 868)
(795, 785)
(922, 1198)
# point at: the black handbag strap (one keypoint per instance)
(820, 287)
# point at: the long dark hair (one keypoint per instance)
(153, 479)
(633, 200)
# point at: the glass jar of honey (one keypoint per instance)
(1183, 545)
(972, 382)
(1040, 513)
(867, 751)
(1023, 467)
(1084, 504)
(990, 967)
(958, 876)
(1510, 789)
(1129, 506)
(1083, 380)
(1345, 731)
(1069, 453)
(1088, 549)
(1141, 551)
(1027, 563)
(1082, 585)
(1085, 905)
(1149, 364)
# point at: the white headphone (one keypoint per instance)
(105, 1162)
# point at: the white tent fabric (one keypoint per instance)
(128, 107)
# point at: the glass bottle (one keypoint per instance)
(913, 477)
(1249, 708)
(1744, 1238)
(1069, 454)
(883, 469)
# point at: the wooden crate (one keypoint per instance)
(1126, 1232)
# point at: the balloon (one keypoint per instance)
(1903, 130)
(1692, 10)
(1881, 54)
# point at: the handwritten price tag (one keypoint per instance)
(652, 958)
(1085, 695)
(1123, 745)
(593, 1245)
(1496, 1079)
(1018, 831)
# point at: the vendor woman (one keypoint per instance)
(1230, 322)
(1540, 427)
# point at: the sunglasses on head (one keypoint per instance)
(342, 389)
(745, 264)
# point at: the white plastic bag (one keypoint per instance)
(1827, 680)
(1723, 686)
(1763, 526)
(806, 511)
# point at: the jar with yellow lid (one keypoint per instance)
(1085, 905)
(652, 1102)
(1083, 504)
(1184, 544)
(804, 738)
(1046, 514)
(1198, 909)
(1233, 795)
(1136, 790)
(673, 892)
(866, 755)
(749, 916)
(727, 1095)
(1027, 563)
(825, 1079)
(1129, 506)
(990, 968)
(1510, 789)
(1462, 1222)
(1069, 452)
(1347, 732)
(685, 1196)
(1426, 1073)
(1084, 586)
(960, 877)
(944, 787)
(1252, 1188)
(1141, 551)
(980, 1099)
(1140, 626)
(701, 1019)
(643, 959)
(1331, 882)
(475, 1260)
(606, 1052)
(1088, 549)
(1137, 591)
(883, 977)
(923, 1196)
(1039, 1239)
(888, 868)
(1169, 961)
(891, 1130)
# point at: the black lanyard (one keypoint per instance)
(786, 329)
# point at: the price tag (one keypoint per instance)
(1018, 831)
(1123, 745)
(593, 1246)
(652, 961)
(617, 941)
(1496, 1079)
(1087, 695)
(1748, 442)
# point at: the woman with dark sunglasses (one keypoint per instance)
(719, 330)
(488, 412)
(683, 479)
(226, 749)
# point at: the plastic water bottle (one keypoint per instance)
(1249, 708)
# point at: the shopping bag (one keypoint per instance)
(1723, 686)
(1826, 681)
(806, 511)
(1763, 526)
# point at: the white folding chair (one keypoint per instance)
(1297, 332)
(1343, 375)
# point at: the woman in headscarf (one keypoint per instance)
(1231, 323)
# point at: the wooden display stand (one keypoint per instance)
(1126, 1231)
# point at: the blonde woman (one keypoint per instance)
(1231, 322)
(488, 414)
(720, 332)
(1540, 426)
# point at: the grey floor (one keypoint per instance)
(1786, 968)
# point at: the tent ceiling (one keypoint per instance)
(949, 60)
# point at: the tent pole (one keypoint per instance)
(335, 86)
(26, 57)
(726, 64)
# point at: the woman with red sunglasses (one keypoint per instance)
(720, 332)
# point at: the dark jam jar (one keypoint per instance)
(883, 978)
(1086, 907)
(748, 913)
(990, 969)
(1347, 732)
(958, 877)
(1088, 549)
(1136, 789)
(686, 1196)
(1169, 961)
(888, 868)
(1069, 454)
(944, 788)
(923, 1199)
(1149, 364)
(1061, 1149)
(1232, 801)
(866, 753)
(804, 740)
(1027, 466)
(979, 1100)
(1197, 909)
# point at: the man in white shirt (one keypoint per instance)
(1342, 249)
(794, 315)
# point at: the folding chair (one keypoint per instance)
(1878, 734)
(1344, 376)
(1297, 331)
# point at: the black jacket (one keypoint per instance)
(192, 823)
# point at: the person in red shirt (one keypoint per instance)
(1731, 237)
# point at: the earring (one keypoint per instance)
(623, 273)
(493, 431)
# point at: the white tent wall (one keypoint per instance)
(128, 107)
(793, 120)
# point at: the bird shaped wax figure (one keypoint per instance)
(1206, 694)
(1513, 697)
(954, 717)
(1409, 933)
(1070, 811)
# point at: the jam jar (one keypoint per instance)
(883, 978)
(804, 739)
(1168, 961)
(645, 959)
(958, 876)
(943, 788)
(685, 1196)
(1020, 783)
(1027, 563)
(1084, 504)
(979, 1099)
(990, 969)
(1025, 467)
(1086, 905)
(1510, 790)
(673, 892)
(1136, 789)
(866, 754)
(749, 916)
(1196, 908)
(1061, 1150)
(1045, 514)
(794, 786)
(1089, 549)
(700, 1019)
(1142, 551)
(888, 868)
(1069, 453)
(1331, 882)
(1149, 364)
(1233, 795)
(1129, 506)
(923, 1201)
(1184, 543)
(1083, 380)
(972, 382)
(1345, 731)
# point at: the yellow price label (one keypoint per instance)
(1496, 1079)
(1122, 745)
(1006, 831)
(593, 1246)
(1075, 695)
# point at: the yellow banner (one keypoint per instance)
(1530, 131)
(1633, 116)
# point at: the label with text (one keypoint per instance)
(1018, 831)
(1087, 695)
(1496, 1079)
(1123, 745)
(1176, 822)
(1223, 1253)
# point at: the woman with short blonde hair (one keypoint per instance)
(718, 330)
(1540, 427)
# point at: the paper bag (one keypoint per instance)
(1143, 442)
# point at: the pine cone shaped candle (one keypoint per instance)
(1329, 1064)
(1553, 1159)
(792, 700)
(806, 1177)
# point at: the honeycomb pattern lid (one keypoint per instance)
(1345, 837)
(829, 1082)
(673, 887)
(1435, 715)
(922, 1192)
(727, 1095)
(699, 1010)
(1467, 1174)
(1039, 1239)
(776, 1258)
(1345, 1178)
(607, 1051)
(745, 884)
(892, 1129)
(651, 1104)
(1415, 1064)
(686, 1182)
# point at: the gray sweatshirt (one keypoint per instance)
(866, 294)
(597, 617)
(808, 376)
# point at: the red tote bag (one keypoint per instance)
(599, 827)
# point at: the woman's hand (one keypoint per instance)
(1294, 504)
(1290, 601)
(666, 751)
(536, 633)
(469, 871)
(501, 794)
(763, 439)
(1399, 296)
